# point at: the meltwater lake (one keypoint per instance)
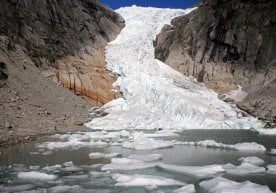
(76, 171)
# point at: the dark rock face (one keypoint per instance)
(51, 29)
(3, 73)
(225, 43)
(68, 35)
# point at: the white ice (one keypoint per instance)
(223, 185)
(127, 164)
(155, 95)
(140, 142)
(271, 169)
(144, 180)
(36, 176)
(252, 160)
(272, 152)
(146, 158)
(97, 155)
(267, 131)
(245, 169)
(190, 188)
(246, 146)
(16, 188)
(64, 189)
(197, 171)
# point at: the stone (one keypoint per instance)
(225, 44)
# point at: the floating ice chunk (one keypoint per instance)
(98, 155)
(63, 189)
(271, 169)
(36, 176)
(77, 177)
(96, 174)
(252, 160)
(71, 169)
(245, 169)
(127, 164)
(246, 146)
(16, 188)
(147, 157)
(140, 142)
(222, 185)
(190, 188)
(69, 163)
(272, 152)
(267, 131)
(34, 167)
(144, 180)
(52, 168)
(161, 133)
(74, 141)
(197, 171)
(34, 191)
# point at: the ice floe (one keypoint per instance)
(223, 185)
(16, 188)
(33, 175)
(127, 164)
(97, 155)
(144, 180)
(197, 171)
(140, 142)
(271, 169)
(267, 131)
(246, 146)
(245, 169)
(272, 152)
(252, 160)
(146, 158)
(190, 188)
(65, 188)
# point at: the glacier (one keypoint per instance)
(154, 95)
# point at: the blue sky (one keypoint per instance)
(115, 4)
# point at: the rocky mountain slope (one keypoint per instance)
(226, 43)
(47, 40)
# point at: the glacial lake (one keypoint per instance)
(20, 159)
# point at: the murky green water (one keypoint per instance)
(178, 155)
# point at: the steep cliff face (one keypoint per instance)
(226, 43)
(69, 36)
(63, 40)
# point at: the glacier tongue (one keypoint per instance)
(155, 95)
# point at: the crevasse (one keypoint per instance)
(155, 95)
